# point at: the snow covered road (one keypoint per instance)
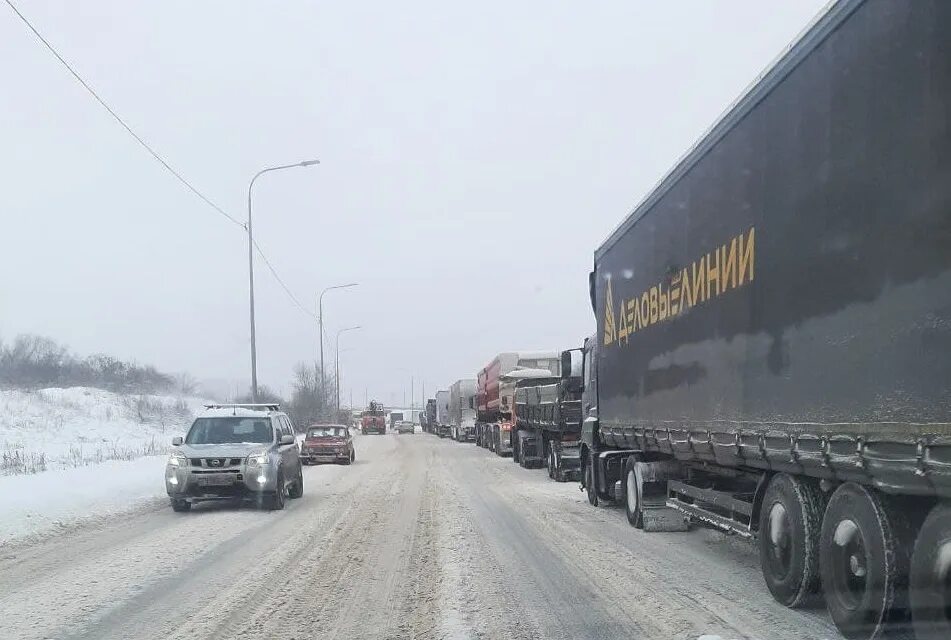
(420, 538)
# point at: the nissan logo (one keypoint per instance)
(215, 462)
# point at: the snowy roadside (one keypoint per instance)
(58, 428)
(45, 502)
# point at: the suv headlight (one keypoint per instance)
(177, 460)
(258, 459)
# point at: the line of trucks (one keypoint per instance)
(451, 414)
(773, 346)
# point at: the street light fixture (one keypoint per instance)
(254, 351)
(337, 364)
(320, 324)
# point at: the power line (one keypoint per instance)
(281, 282)
(118, 119)
(154, 153)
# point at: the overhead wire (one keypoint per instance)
(287, 290)
(168, 167)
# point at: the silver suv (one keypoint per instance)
(244, 452)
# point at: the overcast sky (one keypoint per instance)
(473, 156)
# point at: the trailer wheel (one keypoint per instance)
(790, 522)
(589, 484)
(862, 560)
(633, 493)
(931, 576)
(517, 449)
(552, 462)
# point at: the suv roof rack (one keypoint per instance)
(261, 406)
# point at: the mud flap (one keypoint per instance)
(656, 515)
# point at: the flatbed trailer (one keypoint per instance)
(773, 347)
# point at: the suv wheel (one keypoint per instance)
(297, 489)
(181, 505)
(277, 499)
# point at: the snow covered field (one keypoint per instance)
(63, 428)
(80, 453)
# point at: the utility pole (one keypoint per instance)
(254, 348)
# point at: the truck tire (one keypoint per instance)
(931, 576)
(790, 522)
(551, 462)
(589, 484)
(633, 494)
(297, 489)
(517, 450)
(860, 561)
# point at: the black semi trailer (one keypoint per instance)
(773, 347)
(547, 420)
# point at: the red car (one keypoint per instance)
(327, 443)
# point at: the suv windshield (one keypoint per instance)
(230, 430)
(327, 432)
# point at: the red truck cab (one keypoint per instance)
(373, 420)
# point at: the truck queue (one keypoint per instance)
(773, 334)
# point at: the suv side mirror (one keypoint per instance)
(287, 439)
(176, 441)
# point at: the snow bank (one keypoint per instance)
(39, 503)
(76, 426)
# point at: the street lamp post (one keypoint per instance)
(337, 364)
(320, 326)
(254, 350)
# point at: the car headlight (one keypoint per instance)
(177, 460)
(258, 459)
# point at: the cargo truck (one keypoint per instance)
(395, 418)
(547, 425)
(428, 417)
(495, 396)
(373, 419)
(773, 346)
(487, 397)
(443, 426)
(462, 410)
